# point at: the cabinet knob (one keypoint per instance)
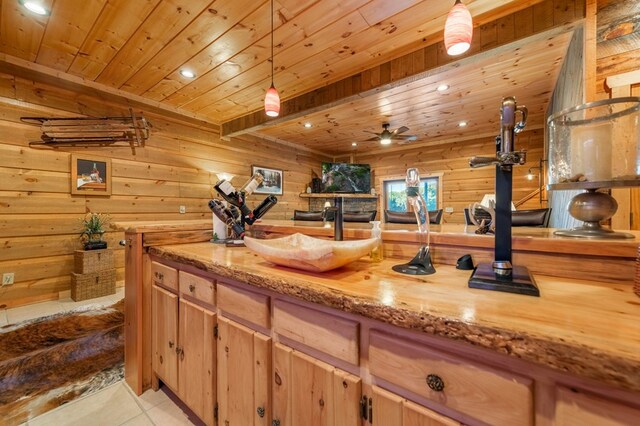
(171, 344)
(192, 288)
(275, 422)
(260, 411)
(435, 383)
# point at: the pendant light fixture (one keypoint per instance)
(272, 99)
(458, 29)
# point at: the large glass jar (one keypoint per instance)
(596, 142)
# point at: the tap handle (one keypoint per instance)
(483, 161)
(523, 122)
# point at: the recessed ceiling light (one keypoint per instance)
(187, 73)
(307, 125)
(354, 143)
(463, 124)
(35, 7)
(442, 87)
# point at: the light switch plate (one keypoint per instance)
(183, 209)
(7, 278)
(448, 209)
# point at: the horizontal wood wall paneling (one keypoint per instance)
(43, 203)
(40, 220)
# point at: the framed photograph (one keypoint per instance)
(90, 175)
(273, 180)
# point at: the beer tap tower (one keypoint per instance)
(501, 275)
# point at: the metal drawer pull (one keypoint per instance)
(192, 288)
(260, 411)
(171, 344)
(435, 383)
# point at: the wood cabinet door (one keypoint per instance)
(392, 409)
(386, 407)
(577, 408)
(196, 361)
(307, 391)
(244, 375)
(417, 415)
(164, 336)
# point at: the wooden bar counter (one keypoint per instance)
(573, 354)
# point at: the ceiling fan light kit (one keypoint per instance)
(458, 29)
(272, 99)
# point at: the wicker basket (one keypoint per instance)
(93, 284)
(636, 285)
(93, 260)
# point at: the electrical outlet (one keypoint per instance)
(183, 209)
(448, 209)
(7, 278)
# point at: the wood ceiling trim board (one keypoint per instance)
(206, 31)
(312, 102)
(288, 144)
(260, 74)
(21, 32)
(118, 22)
(37, 72)
(166, 21)
(289, 82)
(289, 78)
(66, 31)
(301, 29)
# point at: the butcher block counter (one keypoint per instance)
(573, 354)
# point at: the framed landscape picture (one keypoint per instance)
(273, 180)
(90, 175)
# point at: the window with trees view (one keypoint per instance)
(396, 195)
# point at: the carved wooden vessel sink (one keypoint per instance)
(310, 254)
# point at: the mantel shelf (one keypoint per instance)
(336, 194)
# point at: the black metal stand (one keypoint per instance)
(420, 265)
(493, 276)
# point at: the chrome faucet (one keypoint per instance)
(338, 220)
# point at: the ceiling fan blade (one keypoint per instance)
(405, 137)
(400, 130)
(369, 131)
(372, 139)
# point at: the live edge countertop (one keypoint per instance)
(590, 329)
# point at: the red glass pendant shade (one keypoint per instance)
(458, 30)
(272, 102)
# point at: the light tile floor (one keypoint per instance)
(117, 405)
(36, 310)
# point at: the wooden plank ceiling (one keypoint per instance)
(140, 46)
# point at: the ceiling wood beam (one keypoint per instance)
(541, 19)
(36, 72)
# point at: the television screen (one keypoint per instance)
(347, 178)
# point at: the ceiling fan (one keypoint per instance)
(386, 136)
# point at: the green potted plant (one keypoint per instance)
(93, 227)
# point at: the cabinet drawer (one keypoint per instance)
(245, 304)
(330, 334)
(574, 408)
(197, 289)
(164, 276)
(479, 391)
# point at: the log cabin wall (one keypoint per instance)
(618, 42)
(462, 185)
(40, 220)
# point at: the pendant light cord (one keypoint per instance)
(271, 42)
